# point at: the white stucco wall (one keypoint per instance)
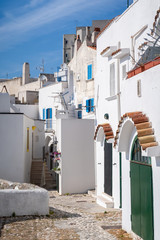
(14, 86)
(150, 97)
(24, 202)
(77, 148)
(38, 139)
(84, 89)
(11, 147)
(31, 111)
(4, 102)
(49, 98)
(118, 34)
(15, 160)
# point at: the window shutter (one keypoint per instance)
(47, 113)
(92, 104)
(50, 112)
(43, 113)
(87, 106)
(90, 71)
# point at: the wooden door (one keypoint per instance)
(108, 168)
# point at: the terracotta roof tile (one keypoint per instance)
(107, 131)
(92, 47)
(107, 48)
(115, 52)
(144, 129)
(143, 68)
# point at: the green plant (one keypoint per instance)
(13, 214)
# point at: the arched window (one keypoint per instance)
(136, 153)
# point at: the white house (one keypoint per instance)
(83, 66)
(127, 134)
(21, 141)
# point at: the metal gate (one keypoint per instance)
(108, 168)
(141, 194)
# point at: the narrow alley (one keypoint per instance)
(70, 217)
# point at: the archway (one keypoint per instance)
(134, 135)
(104, 138)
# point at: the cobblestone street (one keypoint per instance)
(71, 217)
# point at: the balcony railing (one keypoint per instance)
(50, 124)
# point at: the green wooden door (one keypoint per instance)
(141, 194)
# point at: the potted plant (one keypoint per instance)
(57, 170)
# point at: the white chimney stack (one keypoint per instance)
(25, 73)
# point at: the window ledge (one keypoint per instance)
(89, 79)
(111, 98)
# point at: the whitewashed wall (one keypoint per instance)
(32, 111)
(84, 89)
(15, 160)
(119, 34)
(4, 102)
(77, 148)
(150, 97)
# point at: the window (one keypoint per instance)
(89, 71)
(139, 88)
(80, 111)
(28, 139)
(90, 105)
(49, 118)
(112, 79)
(44, 114)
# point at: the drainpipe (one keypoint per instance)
(133, 40)
(118, 87)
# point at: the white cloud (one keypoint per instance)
(21, 26)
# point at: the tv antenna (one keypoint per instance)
(41, 67)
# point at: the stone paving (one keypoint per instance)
(71, 217)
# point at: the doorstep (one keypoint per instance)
(105, 201)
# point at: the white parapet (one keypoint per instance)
(24, 202)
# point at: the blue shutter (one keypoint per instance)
(47, 113)
(90, 71)
(43, 113)
(50, 112)
(79, 112)
(87, 106)
(92, 104)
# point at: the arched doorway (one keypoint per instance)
(141, 193)
(104, 138)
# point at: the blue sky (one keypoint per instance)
(32, 30)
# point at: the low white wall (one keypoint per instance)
(77, 147)
(31, 111)
(24, 202)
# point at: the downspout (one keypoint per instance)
(118, 87)
(133, 39)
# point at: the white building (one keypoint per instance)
(128, 118)
(83, 66)
(21, 140)
(64, 133)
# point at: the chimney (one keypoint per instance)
(25, 73)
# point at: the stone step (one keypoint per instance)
(92, 193)
(103, 202)
(36, 175)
